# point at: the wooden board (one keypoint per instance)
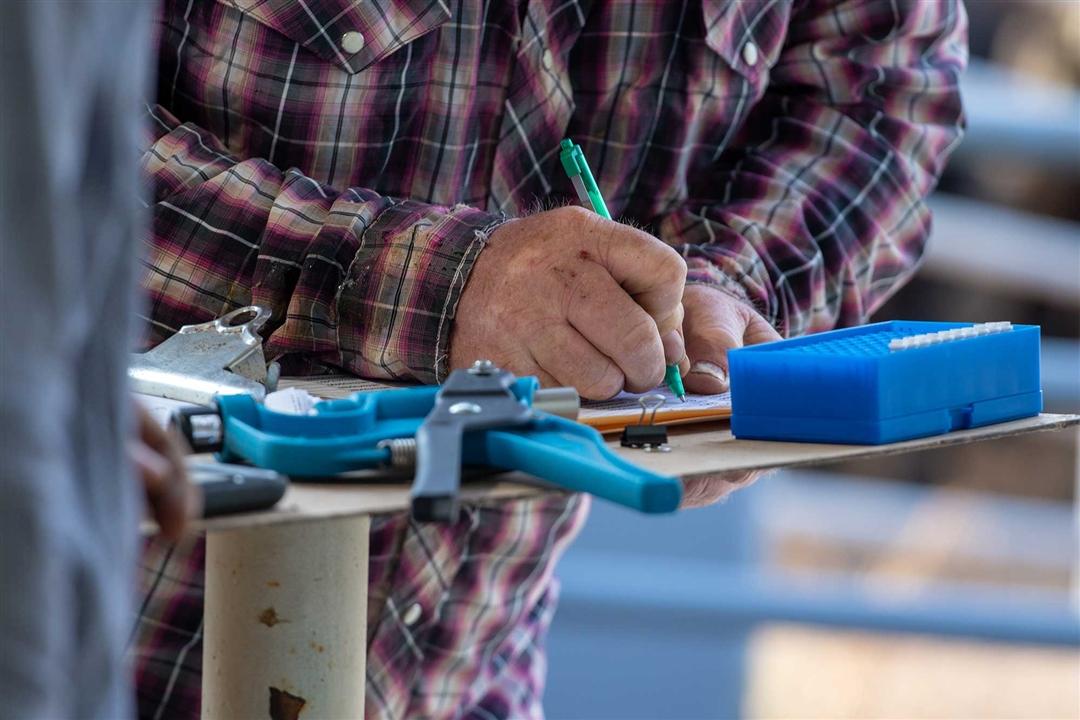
(697, 451)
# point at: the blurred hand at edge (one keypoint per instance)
(158, 456)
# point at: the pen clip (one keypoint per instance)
(577, 169)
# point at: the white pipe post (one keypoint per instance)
(285, 621)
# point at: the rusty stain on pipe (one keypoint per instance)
(270, 618)
(284, 705)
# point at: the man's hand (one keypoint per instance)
(716, 322)
(576, 300)
(159, 461)
(708, 490)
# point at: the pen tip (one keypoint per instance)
(682, 398)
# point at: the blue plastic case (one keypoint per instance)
(848, 386)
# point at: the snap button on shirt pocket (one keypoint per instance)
(750, 54)
(352, 42)
(412, 614)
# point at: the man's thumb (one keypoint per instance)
(712, 329)
(707, 349)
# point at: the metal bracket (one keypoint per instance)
(476, 399)
(220, 357)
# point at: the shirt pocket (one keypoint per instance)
(349, 34)
(748, 34)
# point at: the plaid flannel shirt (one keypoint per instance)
(343, 163)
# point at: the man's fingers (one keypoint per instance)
(151, 466)
(716, 323)
(675, 350)
(710, 333)
(684, 367)
(547, 380)
(573, 362)
(672, 322)
(158, 455)
(167, 498)
(609, 319)
(166, 442)
(652, 272)
(702, 491)
(759, 331)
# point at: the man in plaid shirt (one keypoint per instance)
(367, 171)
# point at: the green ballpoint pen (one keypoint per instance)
(577, 169)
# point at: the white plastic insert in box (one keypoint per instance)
(934, 338)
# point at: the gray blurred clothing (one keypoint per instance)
(71, 82)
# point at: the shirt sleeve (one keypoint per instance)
(822, 212)
(353, 279)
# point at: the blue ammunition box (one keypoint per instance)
(885, 382)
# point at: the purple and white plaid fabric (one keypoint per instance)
(343, 164)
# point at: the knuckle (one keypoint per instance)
(645, 382)
(603, 381)
(576, 211)
(572, 215)
(673, 265)
(644, 372)
(638, 336)
(670, 323)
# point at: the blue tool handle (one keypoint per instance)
(343, 436)
(575, 456)
(340, 437)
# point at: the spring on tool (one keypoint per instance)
(402, 451)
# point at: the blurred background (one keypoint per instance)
(941, 584)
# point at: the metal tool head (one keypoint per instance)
(474, 399)
(220, 357)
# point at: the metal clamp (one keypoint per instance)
(477, 399)
(647, 436)
(220, 357)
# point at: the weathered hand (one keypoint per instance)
(576, 300)
(703, 491)
(159, 461)
(714, 323)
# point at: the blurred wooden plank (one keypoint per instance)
(1014, 115)
(800, 672)
(863, 524)
(994, 248)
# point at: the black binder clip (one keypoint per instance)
(649, 437)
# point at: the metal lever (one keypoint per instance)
(220, 357)
(474, 399)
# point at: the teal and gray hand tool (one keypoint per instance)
(483, 416)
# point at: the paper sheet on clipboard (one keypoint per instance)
(624, 409)
(604, 415)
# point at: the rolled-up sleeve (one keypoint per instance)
(354, 279)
